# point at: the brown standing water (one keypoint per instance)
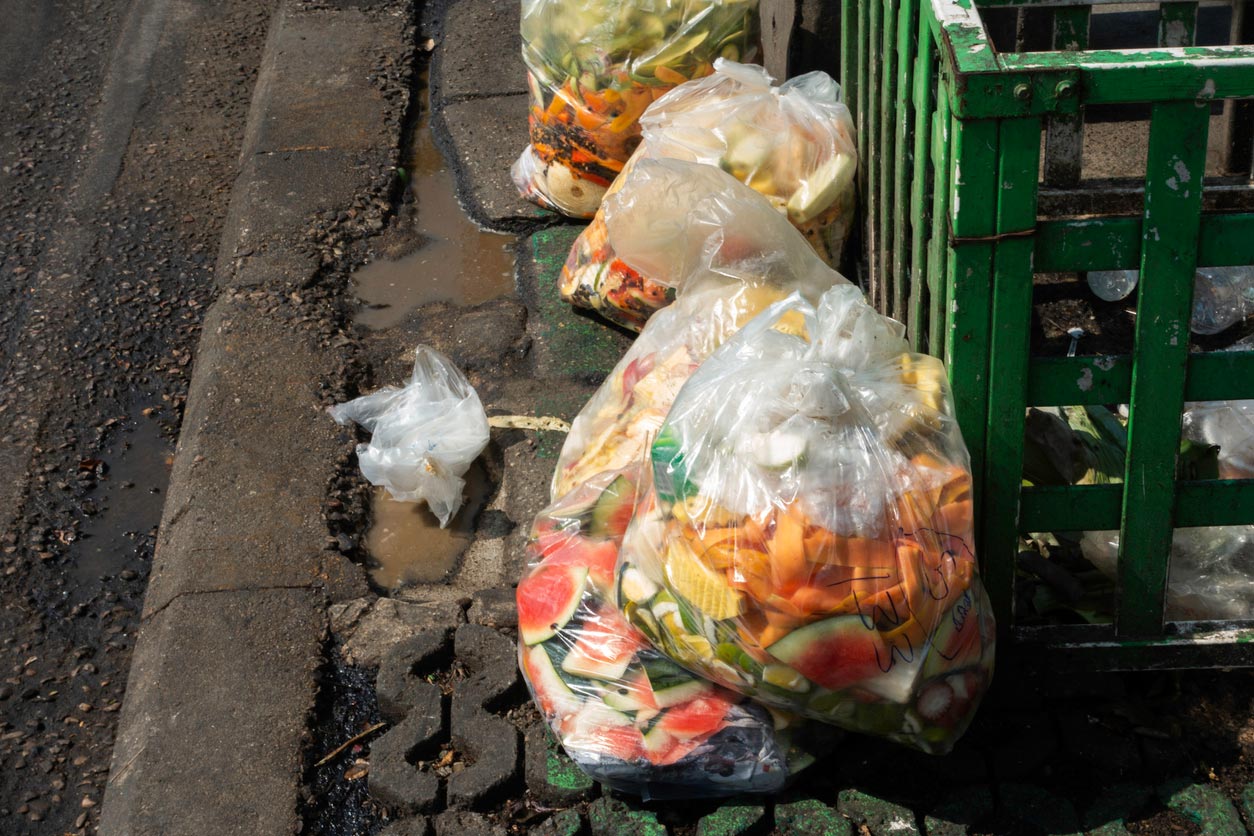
(455, 261)
(407, 545)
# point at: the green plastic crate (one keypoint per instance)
(972, 185)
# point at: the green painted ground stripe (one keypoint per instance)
(1097, 507)
(1009, 349)
(1173, 200)
(1073, 381)
(1115, 243)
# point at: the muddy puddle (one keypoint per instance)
(454, 261)
(127, 501)
(407, 545)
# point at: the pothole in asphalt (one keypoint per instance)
(450, 258)
(406, 544)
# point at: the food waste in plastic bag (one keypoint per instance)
(729, 266)
(627, 715)
(671, 224)
(793, 144)
(810, 542)
(594, 66)
(424, 436)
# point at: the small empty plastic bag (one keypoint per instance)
(424, 436)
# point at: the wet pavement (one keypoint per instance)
(448, 258)
(106, 263)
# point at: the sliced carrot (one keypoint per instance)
(957, 487)
(555, 107)
(669, 76)
(825, 548)
(955, 519)
(588, 120)
(595, 101)
(787, 550)
(822, 601)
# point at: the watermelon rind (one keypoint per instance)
(580, 663)
(552, 692)
(613, 509)
(794, 648)
(681, 692)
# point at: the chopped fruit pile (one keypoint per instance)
(807, 550)
(793, 144)
(594, 66)
(625, 713)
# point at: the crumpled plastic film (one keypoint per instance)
(594, 66)
(424, 436)
(793, 144)
(810, 545)
(1210, 576)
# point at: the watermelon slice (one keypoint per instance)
(554, 696)
(957, 642)
(662, 748)
(613, 510)
(598, 728)
(835, 653)
(697, 718)
(632, 693)
(547, 600)
(605, 646)
(566, 548)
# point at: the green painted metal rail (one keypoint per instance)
(974, 186)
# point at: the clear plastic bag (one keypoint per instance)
(731, 255)
(1210, 576)
(594, 66)
(793, 144)
(810, 542)
(650, 231)
(424, 436)
(1222, 296)
(1226, 424)
(627, 715)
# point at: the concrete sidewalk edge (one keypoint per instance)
(214, 725)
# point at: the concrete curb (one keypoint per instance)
(224, 676)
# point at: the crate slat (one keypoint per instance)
(1173, 200)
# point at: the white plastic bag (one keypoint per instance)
(424, 436)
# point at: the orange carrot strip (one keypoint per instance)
(669, 76)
